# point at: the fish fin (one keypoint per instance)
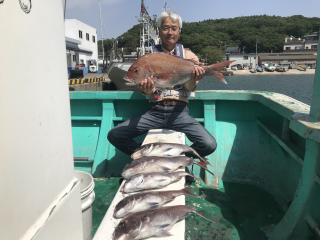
(186, 191)
(153, 205)
(190, 60)
(161, 180)
(203, 164)
(164, 169)
(201, 215)
(163, 234)
(215, 70)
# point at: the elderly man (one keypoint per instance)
(168, 109)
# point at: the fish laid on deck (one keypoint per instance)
(165, 150)
(159, 164)
(168, 70)
(147, 201)
(152, 180)
(152, 222)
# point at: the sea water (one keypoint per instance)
(299, 87)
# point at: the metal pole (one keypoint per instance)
(65, 5)
(315, 103)
(101, 34)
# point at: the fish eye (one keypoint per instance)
(136, 69)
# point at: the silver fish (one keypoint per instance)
(150, 223)
(165, 150)
(159, 164)
(146, 201)
(152, 180)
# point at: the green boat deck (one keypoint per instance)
(240, 211)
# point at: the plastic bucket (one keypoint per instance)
(87, 198)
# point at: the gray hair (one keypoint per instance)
(175, 17)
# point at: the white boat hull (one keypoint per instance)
(116, 73)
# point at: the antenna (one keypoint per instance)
(101, 34)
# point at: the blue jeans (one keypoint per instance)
(159, 116)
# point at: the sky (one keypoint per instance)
(120, 15)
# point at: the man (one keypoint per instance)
(168, 109)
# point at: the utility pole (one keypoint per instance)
(256, 52)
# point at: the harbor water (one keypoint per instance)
(299, 87)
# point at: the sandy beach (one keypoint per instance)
(290, 72)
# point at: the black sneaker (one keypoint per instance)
(190, 179)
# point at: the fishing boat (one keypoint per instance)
(259, 69)
(266, 183)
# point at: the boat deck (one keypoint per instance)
(240, 211)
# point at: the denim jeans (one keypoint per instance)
(159, 116)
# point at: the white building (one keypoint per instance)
(244, 59)
(81, 43)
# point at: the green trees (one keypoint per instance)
(211, 54)
(209, 36)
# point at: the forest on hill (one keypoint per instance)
(209, 38)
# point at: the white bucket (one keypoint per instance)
(87, 198)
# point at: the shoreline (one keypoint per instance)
(290, 72)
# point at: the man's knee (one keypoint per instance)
(112, 136)
(211, 145)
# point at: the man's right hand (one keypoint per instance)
(147, 86)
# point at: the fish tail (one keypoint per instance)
(186, 191)
(203, 165)
(214, 70)
(203, 159)
(200, 215)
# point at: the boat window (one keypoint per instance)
(93, 39)
(314, 46)
(245, 57)
(87, 36)
(80, 34)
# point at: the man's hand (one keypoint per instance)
(147, 86)
(197, 73)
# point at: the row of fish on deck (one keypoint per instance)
(153, 167)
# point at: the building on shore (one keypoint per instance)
(290, 59)
(301, 51)
(81, 44)
(244, 59)
(308, 43)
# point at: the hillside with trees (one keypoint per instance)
(209, 38)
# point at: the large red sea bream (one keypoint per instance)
(168, 70)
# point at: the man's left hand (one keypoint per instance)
(197, 73)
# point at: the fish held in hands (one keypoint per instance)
(152, 180)
(159, 164)
(166, 150)
(168, 70)
(147, 201)
(150, 223)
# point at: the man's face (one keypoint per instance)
(169, 32)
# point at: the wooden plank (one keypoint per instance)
(109, 223)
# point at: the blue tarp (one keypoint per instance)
(85, 69)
